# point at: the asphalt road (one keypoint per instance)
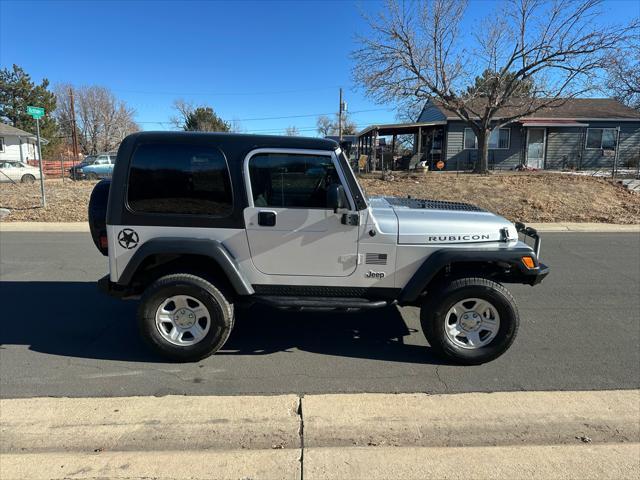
(60, 337)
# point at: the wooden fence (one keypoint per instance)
(54, 168)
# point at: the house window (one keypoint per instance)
(470, 141)
(2, 144)
(601, 138)
(499, 139)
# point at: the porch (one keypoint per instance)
(409, 145)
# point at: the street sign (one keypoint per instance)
(35, 112)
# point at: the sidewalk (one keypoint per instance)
(533, 435)
(541, 227)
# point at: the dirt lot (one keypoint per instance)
(528, 197)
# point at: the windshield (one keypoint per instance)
(358, 195)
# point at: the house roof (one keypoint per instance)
(570, 108)
(398, 128)
(9, 130)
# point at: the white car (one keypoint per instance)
(13, 171)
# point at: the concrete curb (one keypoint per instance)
(169, 464)
(44, 227)
(470, 419)
(373, 436)
(143, 423)
(585, 227)
(618, 461)
(541, 227)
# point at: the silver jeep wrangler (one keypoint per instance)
(195, 224)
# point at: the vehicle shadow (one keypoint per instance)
(74, 319)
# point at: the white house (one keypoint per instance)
(16, 144)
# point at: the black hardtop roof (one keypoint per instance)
(237, 140)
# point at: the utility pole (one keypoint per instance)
(340, 117)
(74, 133)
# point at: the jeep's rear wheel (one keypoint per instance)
(184, 317)
(470, 320)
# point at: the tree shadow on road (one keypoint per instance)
(74, 319)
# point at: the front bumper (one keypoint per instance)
(529, 232)
(535, 275)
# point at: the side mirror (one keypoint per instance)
(336, 197)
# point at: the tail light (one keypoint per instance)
(104, 242)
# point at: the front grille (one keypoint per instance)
(431, 204)
(376, 259)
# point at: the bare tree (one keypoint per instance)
(325, 126)
(292, 131)
(102, 120)
(416, 51)
(623, 74)
(183, 111)
(198, 119)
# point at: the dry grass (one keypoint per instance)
(527, 197)
(540, 197)
(66, 202)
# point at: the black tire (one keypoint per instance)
(221, 313)
(28, 178)
(433, 317)
(92, 176)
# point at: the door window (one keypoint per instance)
(291, 180)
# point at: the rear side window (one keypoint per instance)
(291, 180)
(179, 179)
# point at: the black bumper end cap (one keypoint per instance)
(540, 274)
(105, 285)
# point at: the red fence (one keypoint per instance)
(54, 168)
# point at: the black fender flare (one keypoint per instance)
(198, 246)
(446, 256)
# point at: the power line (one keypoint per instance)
(287, 116)
(277, 92)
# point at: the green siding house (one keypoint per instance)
(581, 133)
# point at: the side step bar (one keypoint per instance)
(320, 303)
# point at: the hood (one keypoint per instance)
(437, 222)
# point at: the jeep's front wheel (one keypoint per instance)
(470, 320)
(184, 317)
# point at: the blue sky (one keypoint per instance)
(246, 59)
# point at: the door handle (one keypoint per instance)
(267, 219)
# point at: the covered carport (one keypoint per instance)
(428, 144)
